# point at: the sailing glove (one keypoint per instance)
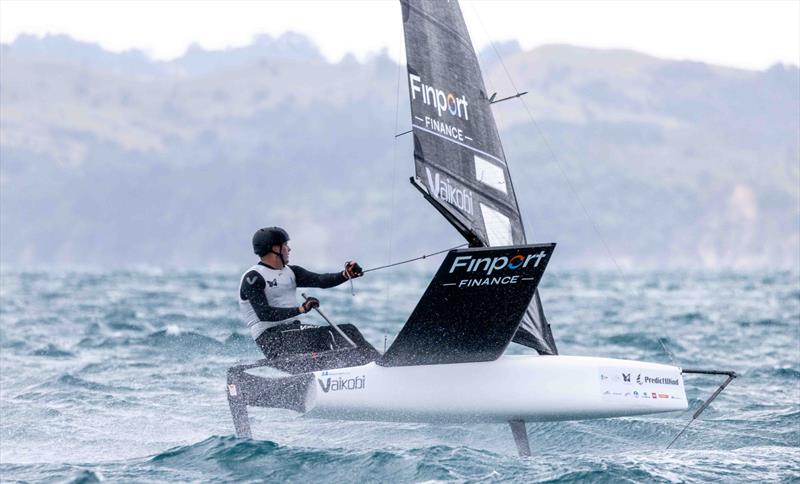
(310, 304)
(352, 270)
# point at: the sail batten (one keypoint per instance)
(434, 133)
(458, 156)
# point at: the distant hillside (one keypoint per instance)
(115, 159)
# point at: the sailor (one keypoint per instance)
(269, 304)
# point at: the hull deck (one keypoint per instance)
(525, 388)
(528, 388)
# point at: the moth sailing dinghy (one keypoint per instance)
(447, 362)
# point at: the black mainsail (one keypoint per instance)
(460, 165)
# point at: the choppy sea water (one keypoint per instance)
(120, 376)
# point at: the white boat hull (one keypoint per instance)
(527, 388)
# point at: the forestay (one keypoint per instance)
(459, 161)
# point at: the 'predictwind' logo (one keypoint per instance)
(441, 100)
(661, 380)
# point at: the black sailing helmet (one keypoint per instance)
(265, 238)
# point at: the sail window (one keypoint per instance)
(490, 174)
(498, 226)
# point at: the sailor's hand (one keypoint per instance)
(310, 304)
(352, 270)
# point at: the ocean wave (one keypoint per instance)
(761, 322)
(173, 336)
(68, 474)
(230, 458)
(217, 448)
(74, 381)
(773, 373)
(52, 351)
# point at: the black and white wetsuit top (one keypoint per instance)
(268, 297)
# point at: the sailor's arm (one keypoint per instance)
(306, 278)
(254, 293)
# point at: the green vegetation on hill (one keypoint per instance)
(116, 159)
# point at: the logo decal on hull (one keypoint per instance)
(340, 384)
(661, 380)
(654, 385)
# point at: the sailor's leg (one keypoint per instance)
(293, 338)
(315, 339)
(271, 344)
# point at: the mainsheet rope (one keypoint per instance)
(415, 258)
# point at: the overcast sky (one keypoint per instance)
(743, 34)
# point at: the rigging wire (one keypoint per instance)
(394, 159)
(555, 158)
(499, 119)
